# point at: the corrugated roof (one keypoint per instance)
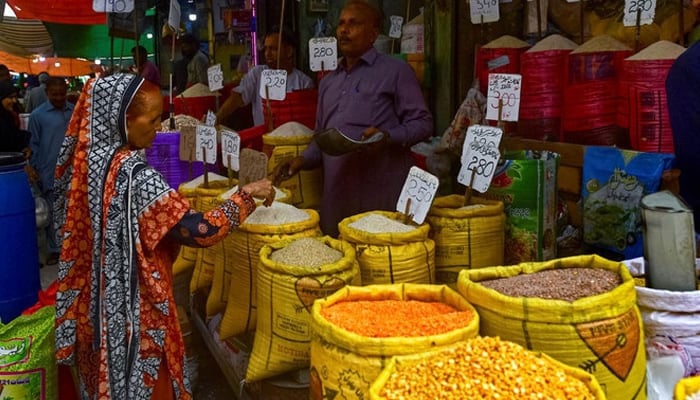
(24, 37)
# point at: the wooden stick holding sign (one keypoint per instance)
(636, 14)
(417, 195)
(205, 169)
(407, 212)
(230, 150)
(468, 191)
(480, 156)
(268, 110)
(206, 148)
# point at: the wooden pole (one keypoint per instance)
(279, 36)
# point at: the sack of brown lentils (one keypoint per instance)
(355, 330)
(483, 368)
(239, 258)
(291, 275)
(389, 250)
(580, 310)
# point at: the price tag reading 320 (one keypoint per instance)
(632, 7)
(206, 140)
(504, 87)
(420, 187)
(483, 11)
(274, 83)
(480, 156)
(323, 54)
(231, 146)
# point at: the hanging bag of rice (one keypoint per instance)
(357, 329)
(590, 94)
(291, 275)
(470, 236)
(388, 250)
(501, 56)
(642, 107)
(581, 311)
(235, 294)
(483, 368)
(299, 105)
(284, 143)
(543, 68)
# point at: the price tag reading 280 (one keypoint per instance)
(231, 146)
(323, 54)
(646, 8)
(420, 187)
(483, 11)
(273, 82)
(480, 156)
(206, 140)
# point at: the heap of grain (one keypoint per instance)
(502, 56)
(581, 311)
(164, 154)
(284, 143)
(196, 101)
(291, 275)
(590, 95)
(470, 236)
(389, 250)
(356, 329)
(482, 368)
(642, 107)
(198, 90)
(234, 292)
(543, 68)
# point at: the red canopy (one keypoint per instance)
(67, 66)
(59, 11)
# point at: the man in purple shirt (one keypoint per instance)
(146, 69)
(369, 93)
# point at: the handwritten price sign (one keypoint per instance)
(273, 84)
(483, 11)
(632, 7)
(187, 143)
(396, 23)
(113, 6)
(480, 156)
(323, 54)
(420, 187)
(505, 88)
(210, 120)
(215, 77)
(205, 142)
(231, 147)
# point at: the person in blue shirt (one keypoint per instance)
(47, 125)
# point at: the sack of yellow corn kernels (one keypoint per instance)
(283, 144)
(483, 368)
(291, 275)
(466, 236)
(188, 255)
(580, 310)
(355, 330)
(688, 389)
(389, 250)
(234, 291)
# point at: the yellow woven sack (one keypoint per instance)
(466, 237)
(344, 364)
(687, 387)
(411, 360)
(207, 199)
(397, 257)
(307, 185)
(237, 285)
(285, 296)
(601, 334)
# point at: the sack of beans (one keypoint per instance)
(483, 368)
(466, 236)
(581, 311)
(187, 256)
(284, 143)
(688, 389)
(389, 250)
(238, 262)
(291, 275)
(355, 330)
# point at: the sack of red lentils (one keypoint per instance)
(292, 274)
(688, 389)
(580, 310)
(355, 330)
(388, 249)
(466, 236)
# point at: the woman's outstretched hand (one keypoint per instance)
(261, 189)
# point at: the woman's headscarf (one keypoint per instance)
(7, 89)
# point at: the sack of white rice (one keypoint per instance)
(235, 287)
(291, 275)
(198, 90)
(389, 250)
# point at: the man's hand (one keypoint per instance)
(376, 146)
(287, 169)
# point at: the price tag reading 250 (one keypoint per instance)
(420, 187)
(323, 54)
(231, 147)
(480, 156)
(206, 140)
(273, 84)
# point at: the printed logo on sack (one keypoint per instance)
(310, 289)
(14, 351)
(614, 342)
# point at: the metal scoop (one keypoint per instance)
(333, 142)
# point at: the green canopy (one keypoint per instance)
(92, 41)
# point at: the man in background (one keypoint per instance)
(197, 62)
(37, 95)
(145, 68)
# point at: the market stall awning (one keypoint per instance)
(60, 11)
(24, 37)
(56, 66)
(91, 42)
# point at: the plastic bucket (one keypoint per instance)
(19, 258)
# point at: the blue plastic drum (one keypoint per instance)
(19, 258)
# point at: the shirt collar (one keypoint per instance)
(368, 58)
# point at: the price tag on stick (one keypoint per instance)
(480, 156)
(645, 8)
(273, 84)
(396, 24)
(503, 89)
(187, 143)
(253, 166)
(206, 143)
(210, 120)
(483, 11)
(215, 77)
(417, 194)
(230, 149)
(323, 54)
